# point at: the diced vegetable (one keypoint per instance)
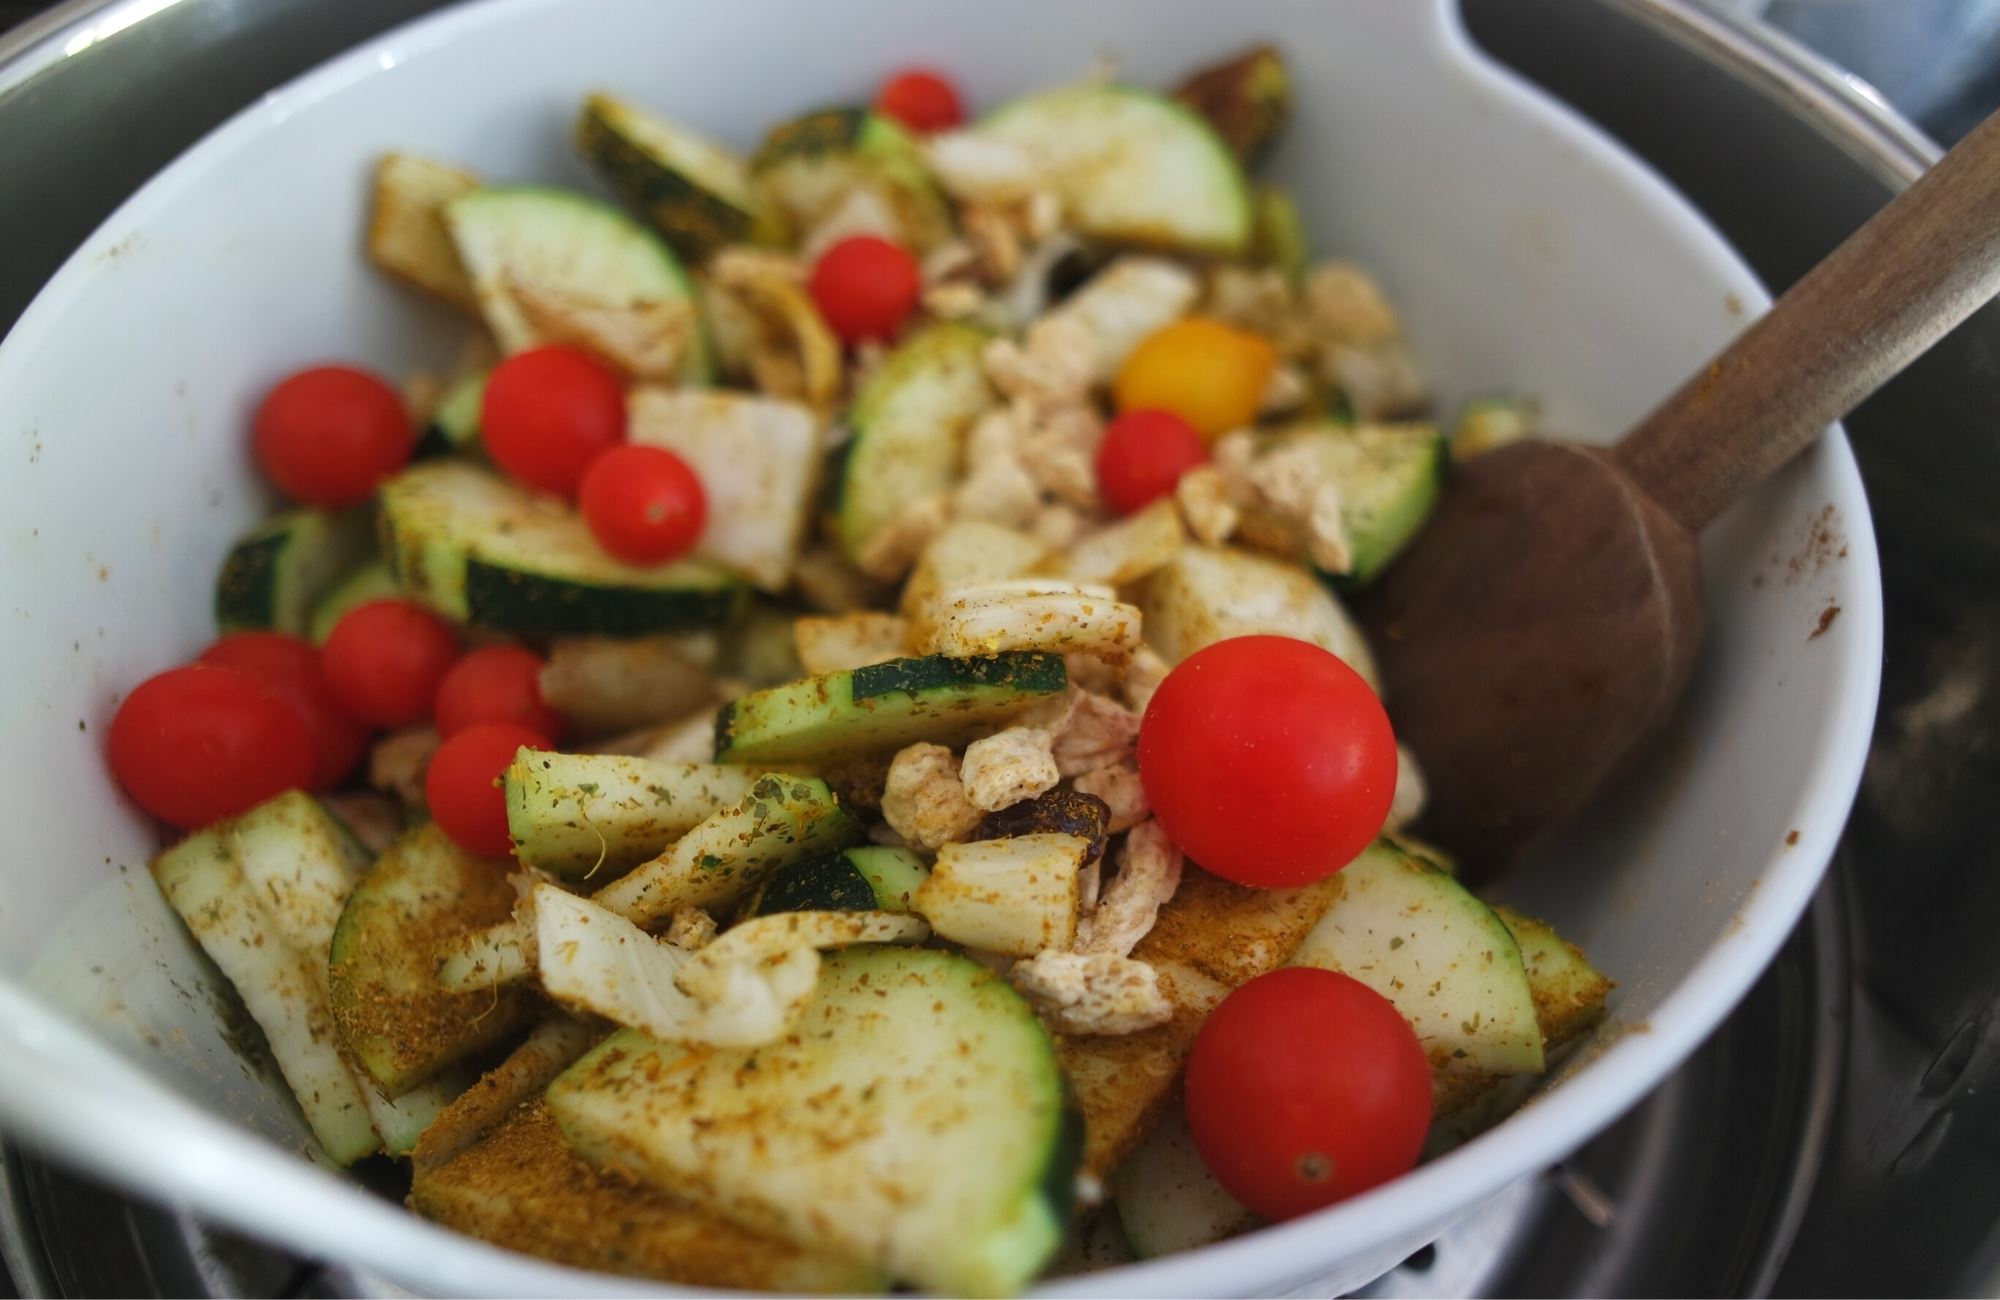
(1051, 616)
(863, 878)
(759, 465)
(406, 231)
(694, 190)
(1209, 594)
(1016, 895)
(479, 549)
(524, 1189)
(883, 707)
(810, 165)
(1125, 302)
(391, 1012)
(1421, 940)
(1133, 167)
(969, 1200)
(847, 641)
(551, 266)
(967, 551)
(588, 816)
(909, 424)
(1167, 1200)
(372, 581)
(454, 425)
(1128, 550)
(1390, 477)
(273, 577)
(1247, 99)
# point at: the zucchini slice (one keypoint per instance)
(759, 464)
(1421, 940)
(553, 266)
(1247, 99)
(810, 164)
(1279, 241)
(454, 426)
(406, 231)
(480, 550)
(280, 986)
(883, 707)
(1207, 594)
(916, 1118)
(372, 581)
(783, 819)
(694, 190)
(523, 1188)
(1569, 992)
(550, 1049)
(1167, 1200)
(396, 1020)
(909, 425)
(578, 815)
(274, 576)
(864, 878)
(1133, 168)
(1390, 477)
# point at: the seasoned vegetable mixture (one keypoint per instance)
(827, 754)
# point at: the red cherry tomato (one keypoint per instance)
(500, 683)
(1143, 455)
(1267, 760)
(548, 412)
(921, 100)
(291, 667)
(385, 659)
(462, 786)
(328, 435)
(1306, 1087)
(643, 504)
(866, 288)
(198, 743)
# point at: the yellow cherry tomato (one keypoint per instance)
(1208, 373)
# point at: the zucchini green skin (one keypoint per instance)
(883, 707)
(866, 878)
(372, 581)
(273, 577)
(596, 816)
(397, 1022)
(974, 1201)
(853, 146)
(1279, 241)
(696, 215)
(454, 426)
(480, 550)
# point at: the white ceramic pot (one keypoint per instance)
(1526, 252)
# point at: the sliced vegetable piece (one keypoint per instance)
(967, 551)
(1207, 594)
(971, 1201)
(1125, 302)
(276, 574)
(278, 984)
(1492, 422)
(694, 190)
(478, 549)
(1421, 940)
(811, 164)
(1128, 550)
(611, 684)
(883, 707)
(1280, 240)
(1016, 895)
(759, 464)
(1167, 1200)
(454, 426)
(909, 424)
(1389, 476)
(1050, 616)
(600, 815)
(524, 1189)
(843, 642)
(783, 819)
(372, 581)
(521, 1078)
(394, 1017)
(1133, 167)
(864, 878)
(551, 266)
(1569, 992)
(407, 236)
(1247, 99)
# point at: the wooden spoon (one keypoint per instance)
(1541, 629)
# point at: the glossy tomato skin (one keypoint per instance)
(291, 667)
(327, 436)
(195, 744)
(1306, 1087)
(921, 100)
(1142, 456)
(644, 505)
(462, 786)
(548, 412)
(385, 659)
(1267, 760)
(865, 288)
(501, 683)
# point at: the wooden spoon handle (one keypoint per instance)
(1919, 267)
